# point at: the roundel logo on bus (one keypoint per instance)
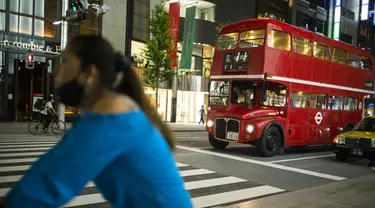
(318, 118)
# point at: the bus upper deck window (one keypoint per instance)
(321, 51)
(252, 38)
(227, 41)
(302, 46)
(339, 56)
(366, 63)
(279, 40)
(353, 60)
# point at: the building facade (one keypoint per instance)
(26, 26)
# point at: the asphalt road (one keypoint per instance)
(212, 177)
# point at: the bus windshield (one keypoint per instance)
(367, 124)
(243, 92)
(219, 93)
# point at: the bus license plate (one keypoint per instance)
(357, 152)
(232, 135)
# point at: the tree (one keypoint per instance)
(158, 48)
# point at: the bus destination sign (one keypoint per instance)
(236, 60)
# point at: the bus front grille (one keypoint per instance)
(220, 128)
(233, 126)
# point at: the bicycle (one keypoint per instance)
(37, 127)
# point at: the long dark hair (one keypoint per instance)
(95, 50)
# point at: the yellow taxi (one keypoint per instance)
(358, 142)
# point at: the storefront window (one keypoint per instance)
(14, 5)
(13, 23)
(2, 21)
(39, 8)
(26, 6)
(2, 4)
(25, 25)
(39, 27)
(2, 68)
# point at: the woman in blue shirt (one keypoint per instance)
(120, 143)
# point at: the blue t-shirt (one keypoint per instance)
(125, 155)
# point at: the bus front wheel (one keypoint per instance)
(217, 144)
(270, 143)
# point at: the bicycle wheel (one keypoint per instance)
(36, 127)
(58, 127)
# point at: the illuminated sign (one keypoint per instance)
(236, 60)
(31, 46)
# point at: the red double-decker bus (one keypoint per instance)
(274, 85)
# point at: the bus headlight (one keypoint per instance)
(249, 128)
(209, 123)
(339, 140)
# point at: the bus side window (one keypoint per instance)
(339, 56)
(302, 46)
(318, 101)
(366, 64)
(279, 40)
(322, 51)
(299, 99)
(350, 104)
(335, 103)
(353, 60)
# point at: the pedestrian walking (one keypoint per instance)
(202, 112)
(120, 143)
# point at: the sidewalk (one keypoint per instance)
(22, 127)
(351, 193)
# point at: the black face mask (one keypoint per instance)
(71, 93)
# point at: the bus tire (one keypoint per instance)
(270, 143)
(342, 156)
(217, 144)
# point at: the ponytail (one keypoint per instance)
(131, 86)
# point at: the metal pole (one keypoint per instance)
(174, 97)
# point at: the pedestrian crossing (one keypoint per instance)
(206, 187)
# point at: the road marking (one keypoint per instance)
(14, 168)
(26, 145)
(227, 197)
(22, 160)
(2, 144)
(301, 158)
(15, 178)
(26, 167)
(23, 149)
(86, 200)
(21, 154)
(212, 182)
(267, 164)
(180, 165)
(185, 173)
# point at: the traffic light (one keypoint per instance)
(78, 11)
(30, 61)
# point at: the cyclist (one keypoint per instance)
(48, 112)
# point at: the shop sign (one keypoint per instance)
(31, 46)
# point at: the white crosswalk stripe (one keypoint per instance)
(207, 188)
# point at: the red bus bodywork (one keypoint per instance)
(305, 74)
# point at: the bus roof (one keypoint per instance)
(245, 24)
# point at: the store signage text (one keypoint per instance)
(31, 46)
